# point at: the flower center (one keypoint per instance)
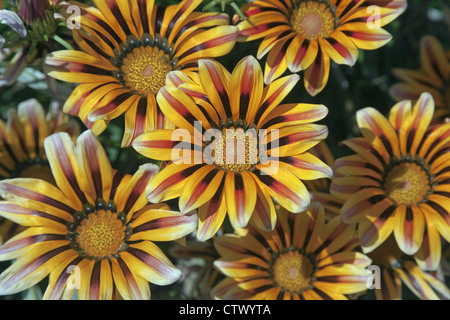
(313, 20)
(98, 232)
(145, 70)
(235, 150)
(292, 271)
(144, 64)
(407, 183)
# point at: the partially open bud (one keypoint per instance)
(33, 10)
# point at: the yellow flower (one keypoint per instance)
(92, 232)
(241, 148)
(397, 182)
(128, 49)
(305, 34)
(305, 257)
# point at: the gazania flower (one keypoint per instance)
(395, 267)
(241, 149)
(397, 180)
(22, 146)
(305, 257)
(128, 49)
(93, 231)
(305, 34)
(432, 77)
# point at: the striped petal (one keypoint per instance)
(31, 268)
(150, 263)
(365, 203)
(164, 145)
(200, 187)
(168, 183)
(155, 224)
(276, 63)
(316, 75)
(17, 245)
(301, 54)
(131, 196)
(374, 231)
(31, 196)
(246, 89)
(285, 188)
(376, 128)
(293, 114)
(212, 215)
(340, 48)
(61, 154)
(130, 285)
(215, 80)
(240, 196)
(366, 38)
(409, 228)
(78, 67)
(210, 43)
(264, 215)
(96, 171)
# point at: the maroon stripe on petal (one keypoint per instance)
(148, 259)
(118, 176)
(343, 278)
(22, 243)
(131, 280)
(280, 56)
(316, 65)
(94, 288)
(114, 7)
(166, 222)
(220, 87)
(84, 68)
(142, 4)
(210, 44)
(140, 118)
(105, 26)
(33, 266)
(67, 169)
(201, 187)
(138, 190)
(159, 16)
(260, 28)
(322, 294)
(60, 284)
(94, 166)
(342, 50)
(177, 16)
(179, 107)
(174, 179)
(76, 107)
(34, 196)
(377, 225)
(440, 210)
